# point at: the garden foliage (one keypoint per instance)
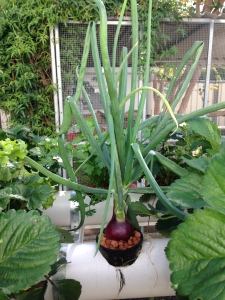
(26, 89)
(29, 242)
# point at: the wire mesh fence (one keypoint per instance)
(178, 38)
(71, 41)
(206, 87)
(217, 75)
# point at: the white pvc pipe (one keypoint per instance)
(62, 211)
(149, 276)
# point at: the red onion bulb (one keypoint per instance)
(118, 230)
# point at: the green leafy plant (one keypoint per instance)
(192, 163)
(198, 246)
(32, 246)
(200, 181)
(195, 250)
(43, 149)
(29, 245)
(198, 138)
(182, 168)
(93, 172)
(178, 166)
(19, 188)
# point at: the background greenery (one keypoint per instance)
(26, 89)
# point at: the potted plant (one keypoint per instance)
(120, 148)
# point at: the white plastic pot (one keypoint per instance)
(149, 276)
(61, 213)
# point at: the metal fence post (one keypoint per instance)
(59, 76)
(209, 63)
(54, 78)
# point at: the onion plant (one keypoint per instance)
(126, 158)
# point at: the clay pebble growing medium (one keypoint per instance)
(121, 245)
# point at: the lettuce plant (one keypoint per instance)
(19, 188)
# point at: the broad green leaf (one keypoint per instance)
(5, 197)
(65, 235)
(57, 265)
(132, 216)
(29, 245)
(39, 196)
(36, 293)
(140, 209)
(3, 296)
(199, 164)
(170, 164)
(185, 192)
(7, 174)
(208, 130)
(197, 256)
(167, 224)
(35, 190)
(67, 289)
(213, 185)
